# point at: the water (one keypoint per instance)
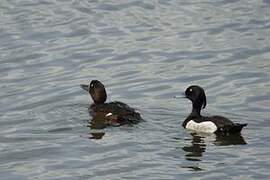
(145, 52)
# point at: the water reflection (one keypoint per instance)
(194, 152)
(193, 168)
(235, 139)
(96, 123)
(196, 149)
(96, 135)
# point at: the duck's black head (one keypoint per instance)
(197, 95)
(97, 91)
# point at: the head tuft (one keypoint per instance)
(197, 95)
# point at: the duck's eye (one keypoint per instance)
(91, 85)
(190, 90)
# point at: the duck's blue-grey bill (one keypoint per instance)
(84, 87)
(182, 96)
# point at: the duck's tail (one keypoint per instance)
(228, 130)
(237, 128)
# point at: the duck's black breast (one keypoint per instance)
(116, 112)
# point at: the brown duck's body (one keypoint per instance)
(117, 113)
(113, 113)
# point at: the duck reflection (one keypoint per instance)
(196, 149)
(234, 139)
(194, 152)
(97, 135)
(97, 123)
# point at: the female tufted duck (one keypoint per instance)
(213, 124)
(114, 113)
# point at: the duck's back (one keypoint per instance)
(223, 125)
(115, 111)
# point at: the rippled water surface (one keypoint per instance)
(145, 52)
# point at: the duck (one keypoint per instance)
(207, 124)
(113, 113)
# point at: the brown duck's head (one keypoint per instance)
(97, 91)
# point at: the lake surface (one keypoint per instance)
(145, 52)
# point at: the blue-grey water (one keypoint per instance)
(145, 52)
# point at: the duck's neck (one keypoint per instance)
(96, 104)
(196, 109)
(195, 113)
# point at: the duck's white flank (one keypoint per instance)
(109, 114)
(206, 127)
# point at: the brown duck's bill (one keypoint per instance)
(84, 87)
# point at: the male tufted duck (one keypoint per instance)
(213, 124)
(114, 113)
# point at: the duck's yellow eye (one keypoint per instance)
(190, 90)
